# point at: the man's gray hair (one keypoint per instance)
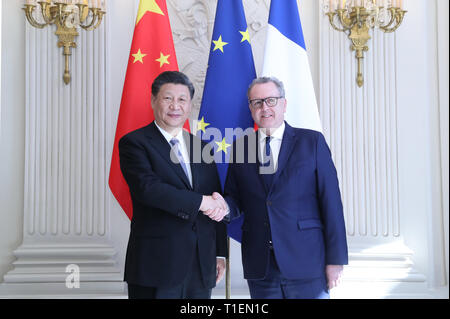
(267, 79)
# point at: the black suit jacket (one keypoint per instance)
(166, 226)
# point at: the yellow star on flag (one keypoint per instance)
(222, 146)
(138, 56)
(219, 44)
(201, 125)
(147, 6)
(245, 36)
(163, 59)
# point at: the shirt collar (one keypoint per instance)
(169, 136)
(278, 134)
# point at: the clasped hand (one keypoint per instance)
(214, 206)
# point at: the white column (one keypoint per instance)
(0, 69)
(66, 199)
(361, 127)
(442, 8)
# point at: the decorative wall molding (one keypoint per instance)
(442, 25)
(385, 271)
(1, 74)
(43, 270)
(360, 125)
(66, 211)
(66, 166)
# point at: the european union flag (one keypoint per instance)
(230, 71)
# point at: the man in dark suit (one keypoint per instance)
(173, 246)
(284, 182)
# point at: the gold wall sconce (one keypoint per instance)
(67, 15)
(356, 17)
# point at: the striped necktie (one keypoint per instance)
(176, 147)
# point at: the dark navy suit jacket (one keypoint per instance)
(166, 226)
(301, 212)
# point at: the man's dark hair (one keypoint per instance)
(173, 77)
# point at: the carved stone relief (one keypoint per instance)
(192, 23)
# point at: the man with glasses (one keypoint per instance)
(293, 235)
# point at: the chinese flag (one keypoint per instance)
(152, 52)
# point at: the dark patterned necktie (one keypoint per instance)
(268, 165)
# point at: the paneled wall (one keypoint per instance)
(66, 199)
(65, 131)
(361, 126)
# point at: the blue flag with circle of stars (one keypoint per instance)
(230, 71)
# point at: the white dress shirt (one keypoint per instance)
(275, 143)
(181, 147)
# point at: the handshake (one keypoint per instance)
(214, 206)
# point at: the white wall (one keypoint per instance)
(443, 60)
(420, 166)
(12, 134)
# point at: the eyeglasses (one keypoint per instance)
(169, 100)
(270, 102)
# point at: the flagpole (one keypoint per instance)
(231, 64)
(227, 274)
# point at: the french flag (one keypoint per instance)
(286, 59)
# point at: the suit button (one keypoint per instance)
(194, 228)
(269, 203)
(183, 215)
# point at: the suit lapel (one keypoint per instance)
(191, 149)
(163, 148)
(287, 146)
(286, 149)
(258, 164)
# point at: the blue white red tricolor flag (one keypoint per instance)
(285, 57)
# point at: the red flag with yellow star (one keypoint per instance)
(152, 52)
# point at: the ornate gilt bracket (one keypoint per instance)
(356, 22)
(66, 17)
